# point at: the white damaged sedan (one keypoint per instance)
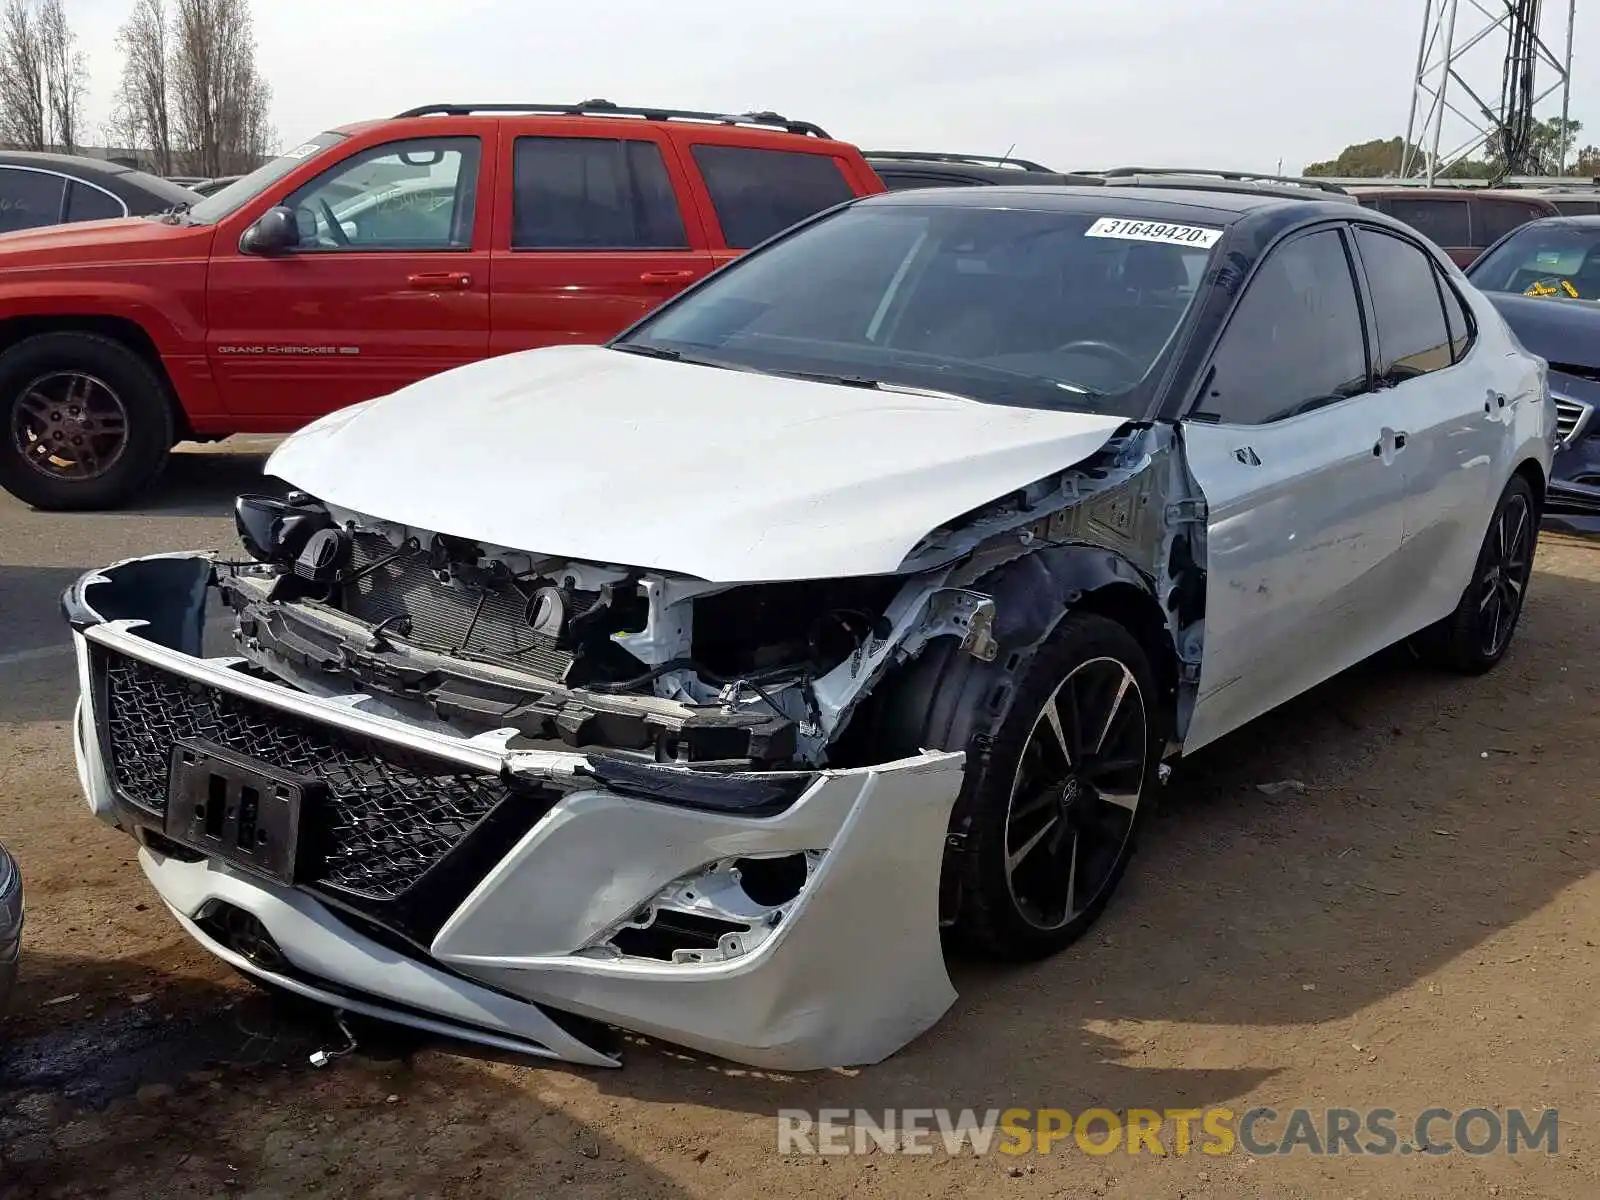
(852, 600)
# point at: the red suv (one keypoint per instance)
(368, 258)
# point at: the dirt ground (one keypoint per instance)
(1415, 928)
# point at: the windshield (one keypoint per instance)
(1007, 306)
(1554, 259)
(241, 191)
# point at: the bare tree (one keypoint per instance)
(24, 108)
(65, 77)
(143, 113)
(219, 99)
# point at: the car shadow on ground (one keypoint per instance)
(202, 481)
(208, 1088)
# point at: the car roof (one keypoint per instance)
(1222, 207)
(1390, 192)
(71, 164)
(142, 192)
(988, 173)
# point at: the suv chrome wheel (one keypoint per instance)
(70, 425)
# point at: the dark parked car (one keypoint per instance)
(904, 169)
(1460, 221)
(1545, 279)
(56, 189)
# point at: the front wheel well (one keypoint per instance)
(1530, 470)
(121, 330)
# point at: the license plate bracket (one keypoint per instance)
(237, 808)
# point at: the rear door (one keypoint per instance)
(754, 192)
(594, 233)
(389, 283)
(1446, 221)
(1297, 459)
(1440, 396)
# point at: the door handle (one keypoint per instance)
(435, 281)
(666, 277)
(1393, 438)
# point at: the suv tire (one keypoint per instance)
(82, 394)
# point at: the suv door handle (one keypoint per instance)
(666, 277)
(434, 281)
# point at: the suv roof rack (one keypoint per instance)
(1246, 177)
(989, 160)
(605, 108)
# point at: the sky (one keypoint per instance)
(1076, 84)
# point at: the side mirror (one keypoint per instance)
(275, 232)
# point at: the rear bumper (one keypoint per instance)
(844, 971)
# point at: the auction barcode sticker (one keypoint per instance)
(1154, 231)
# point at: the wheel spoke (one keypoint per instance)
(36, 403)
(1052, 717)
(1072, 877)
(1111, 714)
(1014, 859)
(1127, 801)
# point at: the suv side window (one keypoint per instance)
(1443, 222)
(758, 193)
(1413, 338)
(1497, 218)
(412, 195)
(1295, 341)
(575, 193)
(29, 199)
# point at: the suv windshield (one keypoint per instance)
(1554, 259)
(1009, 306)
(224, 203)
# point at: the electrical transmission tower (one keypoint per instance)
(1482, 68)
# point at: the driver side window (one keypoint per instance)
(413, 195)
(1296, 340)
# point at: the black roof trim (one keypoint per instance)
(605, 108)
(938, 156)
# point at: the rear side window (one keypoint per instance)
(593, 194)
(1443, 222)
(1413, 338)
(1457, 319)
(1496, 218)
(29, 199)
(758, 193)
(1295, 342)
(85, 203)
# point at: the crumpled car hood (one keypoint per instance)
(728, 476)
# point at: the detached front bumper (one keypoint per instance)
(506, 895)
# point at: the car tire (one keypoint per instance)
(85, 395)
(1473, 638)
(1006, 898)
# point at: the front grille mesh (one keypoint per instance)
(441, 614)
(388, 815)
(1571, 417)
